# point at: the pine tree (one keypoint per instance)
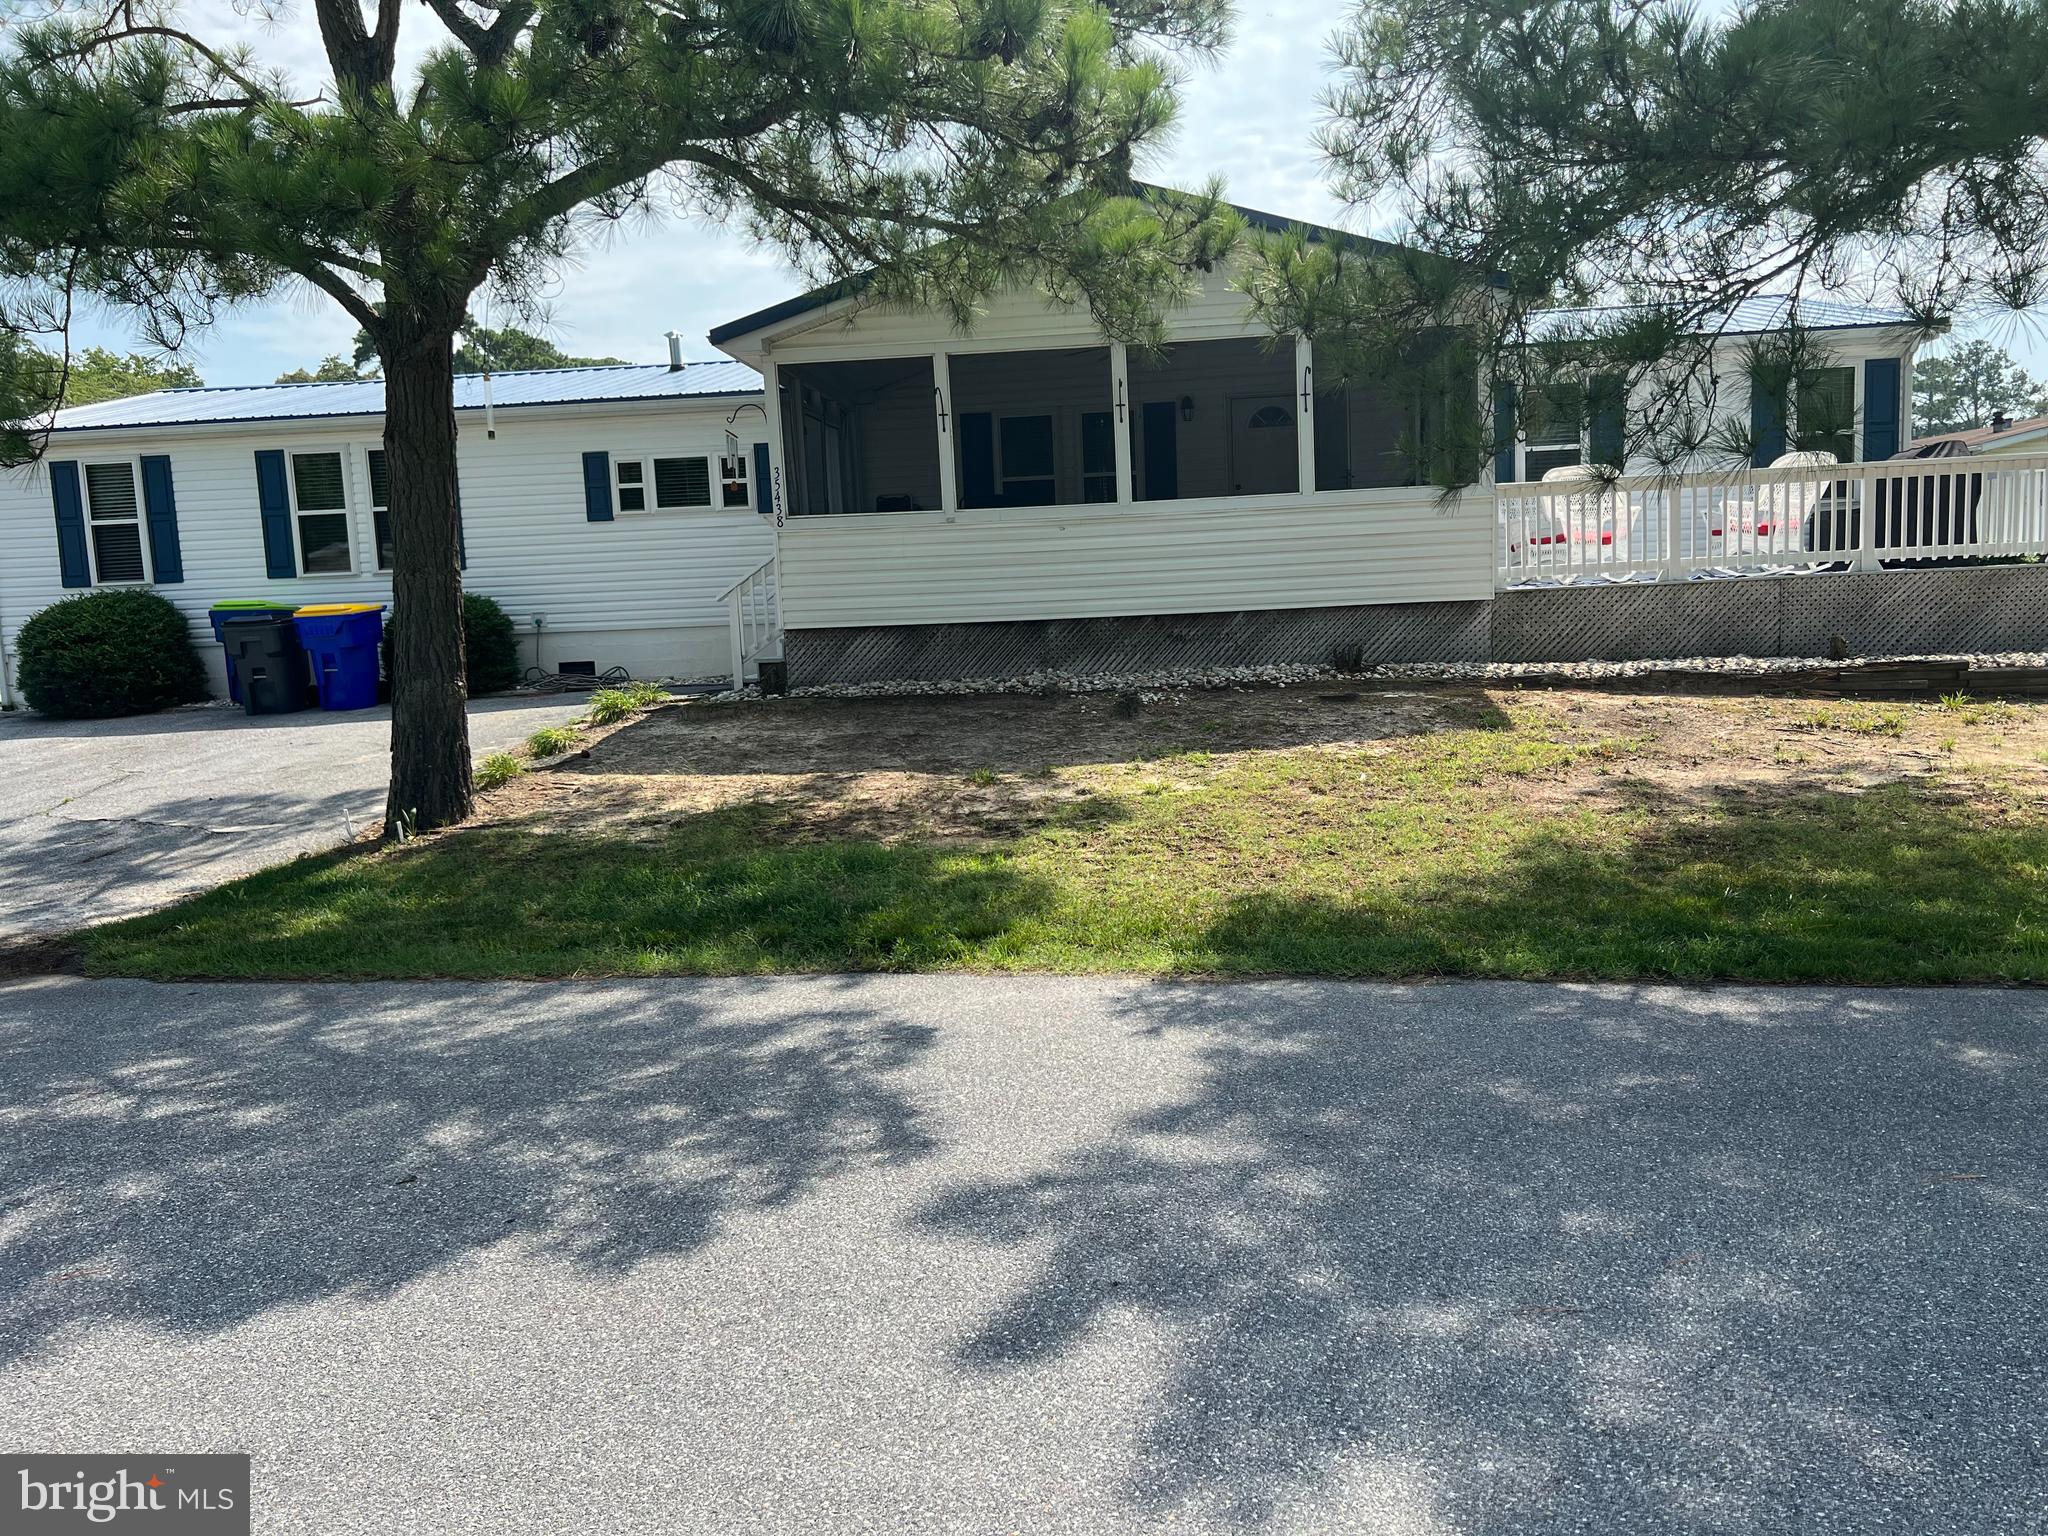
(1685, 158)
(1971, 385)
(947, 148)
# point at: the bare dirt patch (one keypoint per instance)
(947, 768)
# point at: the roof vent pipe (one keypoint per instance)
(675, 351)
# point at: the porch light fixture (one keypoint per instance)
(1187, 407)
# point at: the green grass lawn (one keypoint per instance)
(1516, 851)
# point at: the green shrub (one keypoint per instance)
(488, 643)
(118, 652)
(608, 706)
(497, 769)
(492, 647)
(551, 741)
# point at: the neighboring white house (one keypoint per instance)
(1858, 377)
(2002, 435)
(599, 506)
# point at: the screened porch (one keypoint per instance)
(1097, 426)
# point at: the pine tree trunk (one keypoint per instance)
(430, 772)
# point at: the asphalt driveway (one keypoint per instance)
(105, 818)
(1023, 1254)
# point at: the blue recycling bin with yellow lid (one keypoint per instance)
(342, 641)
(226, 612)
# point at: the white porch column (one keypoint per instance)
(1305, 420)
(771, 403)
(945, 419)
(1120, 419)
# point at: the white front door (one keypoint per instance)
(1262, 456)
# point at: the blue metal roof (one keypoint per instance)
(312, 402)
(1748, 317)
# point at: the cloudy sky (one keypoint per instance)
(622, 296)
(1249, 117)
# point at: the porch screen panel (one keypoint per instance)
(1035, 427)
(1236, 415)
(860, 436)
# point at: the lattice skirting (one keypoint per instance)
(1976, 610)
(1908, 612)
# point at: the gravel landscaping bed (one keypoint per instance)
(1150, 685)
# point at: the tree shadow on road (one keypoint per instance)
(217, 1164)
(1516, 1259)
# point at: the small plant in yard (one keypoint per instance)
(498, 769)
(108, 653)
(552, 741)
(982, 778)
(1954, 702)
(608, 706)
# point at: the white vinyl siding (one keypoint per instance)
(643, 593)
(113, 520)
(1368, 546)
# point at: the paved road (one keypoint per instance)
(103, 818)
(933, 1254)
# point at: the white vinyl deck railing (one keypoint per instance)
(754, 618)
(1755, 521)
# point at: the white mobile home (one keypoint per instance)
(600, 506)
(1028, 494)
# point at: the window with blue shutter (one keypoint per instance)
(1606, 401)
(274, 499)
(597, 487)
(1504, 432)
(160, 511)
(1767, 399)
(69, 502)
(1883, 378)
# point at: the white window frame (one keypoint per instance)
(745, 477)
(645, 485)
(346, 511)
(711, 483)
(1854, 368)
(92, 549)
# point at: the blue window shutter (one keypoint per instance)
(1609, 428)
(1882, 377)
(764, 494)
(273, 496)
(1504, 432)
(1766, 424)
(160, 508)
(597, 487)
(72, 559)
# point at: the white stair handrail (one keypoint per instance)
(752, 617)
